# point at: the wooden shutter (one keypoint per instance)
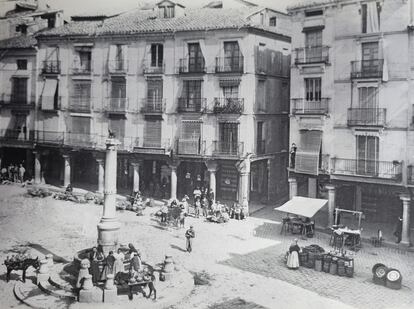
(307, 156)
(81, 125)
(152, 134)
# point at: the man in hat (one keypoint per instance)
(189, 235)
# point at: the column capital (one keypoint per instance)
(330, 187)
(291, 179)
(405, 198)
(174, 164)
(66, 156)
(136, 164)
(212, 166)
(100, 160)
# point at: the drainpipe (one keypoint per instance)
(409, 80)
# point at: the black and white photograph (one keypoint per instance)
(208, 154)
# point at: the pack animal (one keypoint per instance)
(20, 264)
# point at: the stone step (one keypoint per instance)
(50, 289)
(29, 294)
(58, 282)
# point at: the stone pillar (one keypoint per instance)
(312, 187)
(109, 225)
(358, 198)
(38, 168)
(244, 175)
(293, 187)
(101, 175)
(212, 169)
(43, 272)
(67, 170)
(405, 234)
(173, 181)
(136, 176)
(331, 204)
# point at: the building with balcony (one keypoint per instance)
(19, 72)
(351, 106)
(182, 92)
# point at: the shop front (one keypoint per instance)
(191, 174)
(227, 182)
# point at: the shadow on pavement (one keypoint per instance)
(177, 248)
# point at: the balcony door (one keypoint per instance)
(192, 94)
(370, 58)
(117, 126)
(313, 45)
(367, 155)
(232, 56)
(80, 131)
(19, 90)
(228, 142)
(195, 58)
(152, 133)
(190, 137)
(118, 94)
(81, 95)
(157, 55)
(154, 93)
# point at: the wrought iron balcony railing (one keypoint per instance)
(192, 65)
(228, 148)
(228, 106)
(51, 67)
(49, 137)
(118, 66)
(153, 106)
(17, 135)
(117, 105)
(229, 64)
(191, 105)
(80, 104)
(369, 168)
(82, 67)
(191, 146)
(367, 68)
(303, 106)
(16, 102)
(366, 117)
(153, 68)
(315, 54)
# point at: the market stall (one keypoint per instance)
(303, 210)
(349, 233)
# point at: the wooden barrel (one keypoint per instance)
(393, 279)
(334, 266)
(379, 272)
(326, 263)
(341, 267)
(349, 268)
(303, 258)
(311, 259)
(318, 262)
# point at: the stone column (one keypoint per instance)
(312, 187)
(173, 181)
(244, 175)
(67, 170)
(136, 176)
(331, 204)
(101, 175)
(358, 198)
(212, 169)
(38, 168)
(109, 225)
(293, 187)
(405, 234)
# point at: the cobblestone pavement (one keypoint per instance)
(244, 258)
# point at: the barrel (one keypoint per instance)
(393, 279)
(318, 262)
(349, 268)
(334, 266)
(303, 258)
(326, 263)
(311, 259)
(379, 272)
(341, 267)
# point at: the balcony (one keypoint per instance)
(153, 68)
(367, 69)
(15, 103)
(310, 55)
(229, 64)
(153, 106)
(127, 143)
(117, 67)
(367, 117)
(51, 67)
(221, 148)
(148, 145)
(192, 65)
(191, 147)
(80, 104)
(410, 175)
(16, 136)
(49, 137)
(117, 105)
(82, 68)
(81, 140)
(228, 106)
(50, 103)
(368, 168)
(191, 105)
(314, 107)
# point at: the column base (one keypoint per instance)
(404, 243)
(108, 234)
(94, 295)
(110, 296)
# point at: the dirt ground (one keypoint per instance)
(62, 228)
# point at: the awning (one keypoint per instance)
(303, 206)
(48, 94)
(229, 82)
(307, 155)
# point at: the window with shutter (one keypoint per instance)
(157, 55)
(195, 58)
(152, 133)
(19, 90)
(118, 127)
(367, 155)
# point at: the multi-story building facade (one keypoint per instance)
(19, 21)
(352, 107)
(195, 97)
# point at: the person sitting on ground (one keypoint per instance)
(69, 189)
(293, 255)
(164, 213)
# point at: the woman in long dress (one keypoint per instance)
(119, 262)
(109, 266)
(95, 257)
(293, 257)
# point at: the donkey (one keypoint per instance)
(20, 264)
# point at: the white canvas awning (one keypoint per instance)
(303, 206)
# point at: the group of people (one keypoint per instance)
(113, 263)
(13, 173)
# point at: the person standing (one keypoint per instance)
(95, 257)
(293, 256)
(119, 262)
(22, 171)
(189, 235)
(109, 265)
(293, 155)
(164, 213)
(398, 230)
